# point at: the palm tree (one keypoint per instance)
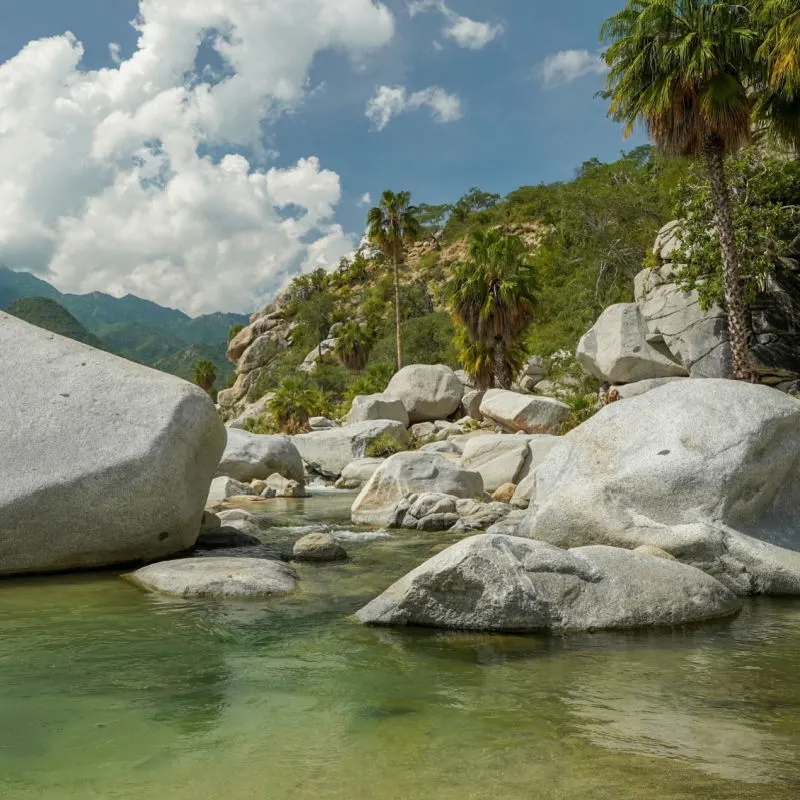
(293, 404)
(684, 68)
(204, 374)
(391, 226)
(492, 298)
(352, 346)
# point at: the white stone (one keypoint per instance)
(224, 487)
(428, 392)
(327, 453)
(707, 470)
(492, 582)
(617, 349)
(377, 406)
(102, 461)
(642, 387)
(358, 472)
(217, 577)
(522, 412)
(250, 456)
(325, 348)
(318, 547)
(500, 460)
(406, 474)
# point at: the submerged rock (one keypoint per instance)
(502, 583)
(102, 461)
(318, 547)
(706, 470)
(225, 538)
(217, 577)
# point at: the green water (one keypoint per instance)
(107, 692)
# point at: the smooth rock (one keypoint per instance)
(522, 412)
(471, 403)
(217, 577)
(250, 456)
(327, 453)
(642, 387)
(325, 348)
(446, 447)
(358, 472)
(617, 348)
(377, 406)
(652, 550)
(224, 488)
(501, 583)
(318, 547)
(428, 392)
(102, 461)
(260, 353)
(500, 460)
(283, 487)
(707, 470)
(226, 538)
(406, 474)
(504, 493)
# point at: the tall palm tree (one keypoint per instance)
(492, 298)
(391, 226)
(684, 68)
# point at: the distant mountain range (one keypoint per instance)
(130, 326)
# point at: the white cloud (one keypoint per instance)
(389, 101)
(567, 66)
(365, 200)
(102, 181)
(465, 32)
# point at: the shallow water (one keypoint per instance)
(108, 692)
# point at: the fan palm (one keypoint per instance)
(781, 45)
(204, 374)
(491, 297)
(352, 346)
(684, 68)
(391, 226)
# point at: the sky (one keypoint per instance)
(200, 153)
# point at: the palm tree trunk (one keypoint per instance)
(397, 307)
(739, 325)
(501, 370)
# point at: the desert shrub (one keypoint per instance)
(384, 446)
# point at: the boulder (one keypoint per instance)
(226, 538)
(278, 486)
(492, 582)
(424, 432)
(358, 472)
(641, 387)
(223, 488)
(321, 424)
(252, 412)
(472, 404)
(707, 470)
(102, 461)
(428, 392)
(239, 520)
(318, 547)
(328, 452)
(668, 242)
(407, 474)
(504, 493)
(377, 406)
(446, 447)
(617, 348)
(259, 354)
(325, 348)
(216, 577)
(466, 381)
(500, 460)
(522, 412)
(250, 456)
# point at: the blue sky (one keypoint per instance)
(510, 128)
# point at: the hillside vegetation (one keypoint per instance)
(48, 314)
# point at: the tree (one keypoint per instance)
(293, 404)
(316, 315)
(353, 345)
(432, 220)
(204, 374)
(391, 226)
(684, 68)
(491, 297)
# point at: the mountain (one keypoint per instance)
(139, 329)
(46, 313)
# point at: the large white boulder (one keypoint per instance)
(408, 474)
(358, 472)
(224, 487)
(492, 582)
(102, 461)
(499, 459)
(707, 470)
(251, 456)
(377, 406)
(617, 349)
(428, 392)
(216, 577)
(328, 452)
(524, 412)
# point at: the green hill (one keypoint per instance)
(131, 326)
(48, 314)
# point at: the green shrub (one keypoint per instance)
(295, 401)
(384, 446)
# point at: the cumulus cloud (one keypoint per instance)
(567, 66)
(389, 101)
(465, 32)
(130, 178)
(365, 200)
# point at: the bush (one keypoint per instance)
(426, 340)
(384, 446)
(295, 402)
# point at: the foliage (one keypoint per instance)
(204, 374)
(234, 331)
(766, 219)
(582, 407)
(492, 299)
(50, 315)
(373, 380)
(383, 446)
(426, 340)
(780, 49)
(295, 401)
(353, 343)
